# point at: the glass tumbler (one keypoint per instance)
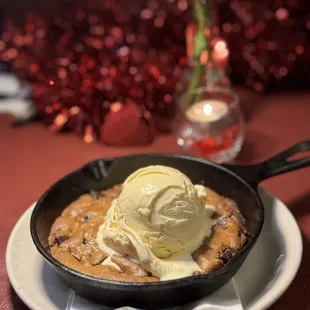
(210, 124)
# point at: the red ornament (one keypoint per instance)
(211, 146)
(125, 124)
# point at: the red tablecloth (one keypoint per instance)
(274, 122)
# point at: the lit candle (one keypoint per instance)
(220, 55)
(206, 111)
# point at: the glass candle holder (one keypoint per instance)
(210, 124)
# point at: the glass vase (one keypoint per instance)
(210, 124)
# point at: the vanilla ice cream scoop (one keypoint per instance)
(159, 219)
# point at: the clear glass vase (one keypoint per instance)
(210, 124)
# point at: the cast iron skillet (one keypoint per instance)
(237, 182)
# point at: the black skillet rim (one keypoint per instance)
(146, 285)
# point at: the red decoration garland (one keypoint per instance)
(85, 60)
(269, 42)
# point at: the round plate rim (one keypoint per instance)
(8, 255)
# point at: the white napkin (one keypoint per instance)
(13, 97)
(226, 298)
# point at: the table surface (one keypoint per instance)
(274, 122)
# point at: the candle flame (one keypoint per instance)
(220, 50)
(207, 109)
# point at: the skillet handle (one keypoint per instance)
(275, 165)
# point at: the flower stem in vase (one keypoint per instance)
(202, 10)
(192, 85)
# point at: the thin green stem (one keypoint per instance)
(200, 44)
(203, 16)
(200, 40)
(192, 85)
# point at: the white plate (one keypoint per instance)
(267, 272)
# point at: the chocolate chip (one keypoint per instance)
(100, 261)
(149, 274)
(76, 255)
(227, 254)
(85, 240)
(61, 239)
